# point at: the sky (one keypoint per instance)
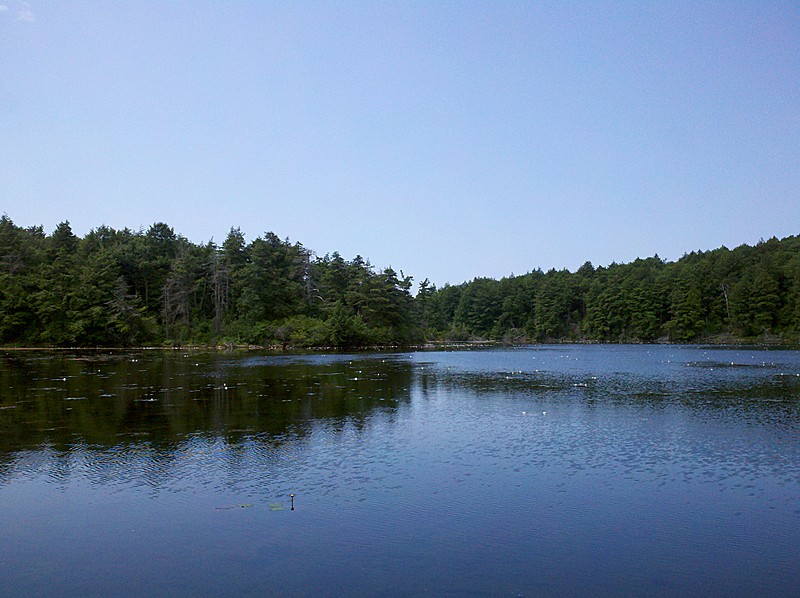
(448, 140)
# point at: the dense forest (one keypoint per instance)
(155, 287)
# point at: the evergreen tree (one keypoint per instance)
(125, 288)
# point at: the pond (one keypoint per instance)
(543, 470)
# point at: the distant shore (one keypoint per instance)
(720, 340)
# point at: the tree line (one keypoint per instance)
(133, 288)
(748, 293)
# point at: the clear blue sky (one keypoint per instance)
(446, 139)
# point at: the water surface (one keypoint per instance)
(546, 470)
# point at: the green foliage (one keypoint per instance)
(296, 331)
(346, 329)
(558, 306)
(155, 287)
(125, 288)
(748, 292)
(479, 307)
(441, 306)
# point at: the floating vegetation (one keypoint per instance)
(273, 506)
(246, 505)
(727, 364)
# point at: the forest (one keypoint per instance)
(154, 287)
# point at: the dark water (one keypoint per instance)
(569, 470)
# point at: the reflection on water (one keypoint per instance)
(107, 399)
(161, 419)
(564, 469)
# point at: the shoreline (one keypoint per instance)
(770, 342)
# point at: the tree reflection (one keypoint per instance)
(159, 399)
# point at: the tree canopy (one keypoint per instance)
(154, 286)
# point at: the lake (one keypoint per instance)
(579, 470)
